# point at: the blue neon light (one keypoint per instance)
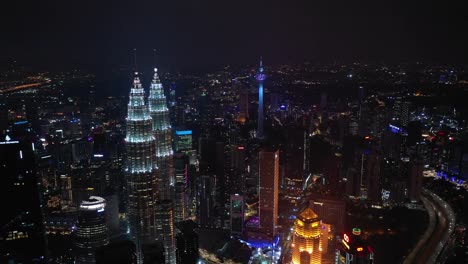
(183, 132)
(21, 122)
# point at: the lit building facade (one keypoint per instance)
(307, 242)
(165, 229)
(268, 190)
(183, 140)
(140, 168)
(162, 133)
(260, 78)
(354, 249)
(179, 202)
(21, 218)
(91, 229)
(237, 214)
(165, 162)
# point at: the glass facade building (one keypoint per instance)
(91, 229)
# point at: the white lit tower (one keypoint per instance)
(165, 161)
(162, 132)
(140, 168)
(260, 78)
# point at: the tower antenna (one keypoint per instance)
(135, 60)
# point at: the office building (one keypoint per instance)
(140, 169)
(415, 180)
(354, 249)
(91, 229)
(374, 164)
(21, 220)
(307, 243)
(183, 140)
(331, 211)
(268, 190)
(237, 214)
(179, 202)
(205, 203)
(165, 229)
(187, 243)
(119, 252)
(163, 134)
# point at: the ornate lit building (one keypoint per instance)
(307, 245)
(162, 133)
(140, 169)
(165, 163)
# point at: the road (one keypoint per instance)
(441, 225)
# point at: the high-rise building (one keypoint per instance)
(162, 133)
(119, 252)
(22, 236)
(91, 229)
(164, 160)
(294, 162)
(373, 177)
(415, 180)
(330, 210)
(237, 214)
(205, 202)
(179, 202)
(260, 78)
(268, 190)
(354, 249)
(183, 140)
(307, 243)
(140, 168)
(165, 229)
(243, 103)
(187, 243)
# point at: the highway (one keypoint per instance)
(21, 87)
(441, 225)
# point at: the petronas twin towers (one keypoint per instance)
(149, 169)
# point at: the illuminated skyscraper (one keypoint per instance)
(179, 202)
(162, 132)
(268, 190)
(307, 245)
(237, 214)
(165, 163)
(165, 229)
(22, 237)
(260, 78)
(140, 168)
(91, 230)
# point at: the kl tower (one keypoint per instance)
(260, 78)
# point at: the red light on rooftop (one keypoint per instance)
(240, 148)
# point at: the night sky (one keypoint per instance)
(203, 34)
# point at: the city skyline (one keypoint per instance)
(299, 132)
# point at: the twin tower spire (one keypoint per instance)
(149, 168)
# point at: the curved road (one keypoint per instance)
(441, 224)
